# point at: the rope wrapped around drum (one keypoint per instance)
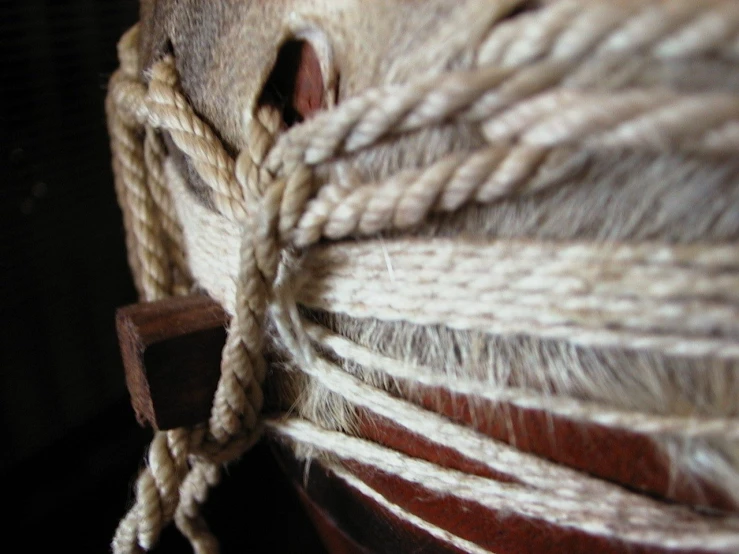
(295, 255)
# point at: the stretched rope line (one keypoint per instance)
(590, 295)
(527, 469)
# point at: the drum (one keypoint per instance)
(477, 262)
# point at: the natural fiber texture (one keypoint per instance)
(591, 295)
(538, 95)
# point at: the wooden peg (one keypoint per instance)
(171, 353)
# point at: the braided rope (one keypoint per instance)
(267, 190)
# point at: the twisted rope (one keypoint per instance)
(154, 156)
(480, 94)
(267, 190)
(169, 111)
(173, 486)
(170, 487)
(405, 199)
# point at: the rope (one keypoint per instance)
(573, 29)
(268, 193)
(675, 300)
(527, 469)
(169, 111)
(405, 199)
(154, 156)
(673, 528)
(480, 94)
(571, 408)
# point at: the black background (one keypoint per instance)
(70, 446)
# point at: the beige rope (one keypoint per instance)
(154, 155)
(678, 300)
(404, 515)
(170, 112)
(157, 258)
(405, 199)
(674, 528)
(146, 252)
(481, 93)
(581, 411)
(266, 191)
(193, 493)
(572, 29)
(238, 400)
(644, 119)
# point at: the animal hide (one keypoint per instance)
(228, 54)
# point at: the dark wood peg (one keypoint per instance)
(171, 353)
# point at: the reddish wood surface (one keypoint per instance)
(309, 95)
(171, 354)
(620, 456)
(356, 522)
(332, 536)
(352, 522)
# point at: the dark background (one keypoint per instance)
(70, 446)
